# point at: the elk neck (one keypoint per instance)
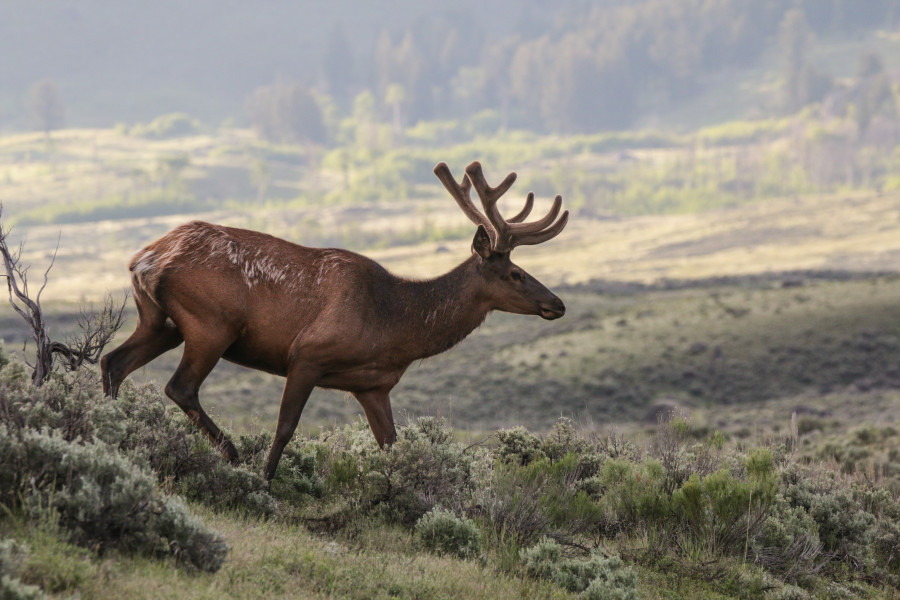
(431, 316)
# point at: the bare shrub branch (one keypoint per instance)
(96, 329)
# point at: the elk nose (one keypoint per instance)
(553, 309)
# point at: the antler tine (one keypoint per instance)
(489, 196)
(537, 237)
(460, 193)
(540, 224)
(529, 204)
(513, 232)
(505, 234)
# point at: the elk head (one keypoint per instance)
(508, 286)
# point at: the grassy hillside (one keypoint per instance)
(104, 497)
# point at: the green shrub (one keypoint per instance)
(719, 513)
(188, 538)
(423, 469)
(141, 424)
(51, 563)
(518, 445)
(541, 561)
(563, 440)
(512, 505)
(595, 577)
(100, 497)
(787, 541)
(845, 529)
(443, 532)
(847, 590)
(168, 126)
(12, 553)
(523, 502)
(13, 589)
(788, 592)
(634, 495)
(298, 471)
(156, 432)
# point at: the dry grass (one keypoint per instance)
(855, 232)
(269, 560)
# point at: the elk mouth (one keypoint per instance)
(553, 310)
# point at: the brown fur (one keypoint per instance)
(319, 317)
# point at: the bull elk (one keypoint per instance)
(320, 316)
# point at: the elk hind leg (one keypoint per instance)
(184, 386)
(152, 336)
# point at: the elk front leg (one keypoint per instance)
(297, 388)
(377, 406)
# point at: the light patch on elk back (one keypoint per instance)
(215, 248)
(327, 262)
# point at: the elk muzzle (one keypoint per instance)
(552, 309)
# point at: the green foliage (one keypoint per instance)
(100, 497)
(13, 589)
(750, 522)
(563, 441)
(787, 541)
(137, 204)
(424, 468)
(12, 554)
(298, 470)
(593, 578)
(188, 538)
(48, 560)
(845, 528)
(286, 111)
(173, 125)
(719, 512)
(512, 504)
(634, 494)
(443, 532)
(97, 462)
(158, 433)
(142, 425)
(519, 446)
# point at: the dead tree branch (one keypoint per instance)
(96, 329)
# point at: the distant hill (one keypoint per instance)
(134, 61)
(562, 67)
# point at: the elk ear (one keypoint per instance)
(481, 245)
